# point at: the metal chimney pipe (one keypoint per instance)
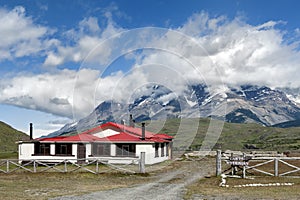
(131, 121)
(143, 131)
(30, 131)
(122, 122)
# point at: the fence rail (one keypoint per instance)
(266, 165)
(95, 166)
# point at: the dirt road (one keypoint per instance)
(167, 185)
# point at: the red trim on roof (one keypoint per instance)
(59, 138)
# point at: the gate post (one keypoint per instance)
(142, 162)
(218, 163)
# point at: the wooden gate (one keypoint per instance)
(255, 166)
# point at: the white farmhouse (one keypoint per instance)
(111, 141)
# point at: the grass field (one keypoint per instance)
(208, 188)
(9, 155)
(234, 136)
(47, 185)
(8, 138)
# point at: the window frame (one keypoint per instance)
(63, 149)
(167, 148)
(162, 149)
(126, 150)
(156, 146)
(106, 151)
(42, 149)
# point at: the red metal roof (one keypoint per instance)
(164, 136)
(126, 134)
(121, 128)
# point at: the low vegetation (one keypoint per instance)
(208, 188)
(8, 138)
(234, 136)
(245, 137)
(46, 185)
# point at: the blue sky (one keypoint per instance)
(58, 58)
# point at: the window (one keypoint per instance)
(126, 150)
(156, 149)
(63, 149)
(102, 149)
(42, 149)
(162, 146)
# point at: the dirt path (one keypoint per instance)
(167, 185)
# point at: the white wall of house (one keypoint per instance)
(149, 150)
(26, 150)
(74, 150)
(52, 149)
(106, 133)
(88, 148)
(113, 149)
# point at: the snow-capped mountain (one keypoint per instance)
(234, 104)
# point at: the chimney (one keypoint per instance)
(143, 131)
(131, 121)
(122, 122)
(30, 131)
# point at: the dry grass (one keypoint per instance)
(208, 188)
(45, 185)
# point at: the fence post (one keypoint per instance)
(275, 166)
(65, 166)
(218, 163)
(7, 166)
(142, 162)
(97, 166)
(34, 166)
(244, 166)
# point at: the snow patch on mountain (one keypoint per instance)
(244, 104)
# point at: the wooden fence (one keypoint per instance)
(253, 165)
(95, 166)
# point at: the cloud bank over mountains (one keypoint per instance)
(206, 49)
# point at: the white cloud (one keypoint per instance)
(19, 35)
(87, 36)
(213, 50)
(231, 51)
(43, 92)
(89, 25)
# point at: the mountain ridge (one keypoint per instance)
(246, 104)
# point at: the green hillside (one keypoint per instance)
(236, 136)
(8, 138)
